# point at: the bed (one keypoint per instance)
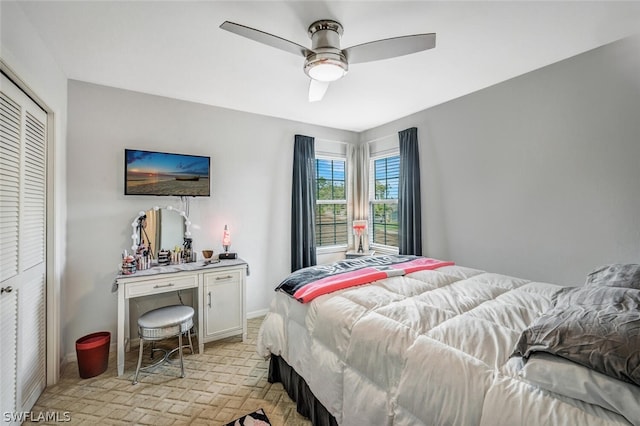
(451, 345)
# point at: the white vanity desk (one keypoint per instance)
(220, 294)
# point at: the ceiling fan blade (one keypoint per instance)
(389, 48)
(317, 89)
(266, 38)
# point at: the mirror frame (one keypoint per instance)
(134, 225)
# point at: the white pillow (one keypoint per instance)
(567, 378)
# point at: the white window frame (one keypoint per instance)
(379, 248)
(336, 247)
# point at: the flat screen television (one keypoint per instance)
(164, 173)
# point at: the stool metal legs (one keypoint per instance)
(180, 352)
(162, 323)
(190, 345)
(166, 356)
(135, 378)
(180, 349)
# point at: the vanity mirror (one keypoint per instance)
(160, 228)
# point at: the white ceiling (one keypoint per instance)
(175, 49)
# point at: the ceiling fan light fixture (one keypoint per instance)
(326, 70)
(326, 61)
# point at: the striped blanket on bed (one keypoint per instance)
(308, 283)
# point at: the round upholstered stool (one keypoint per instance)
(162, 323)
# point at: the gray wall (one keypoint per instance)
(251, 191)
(539, 176)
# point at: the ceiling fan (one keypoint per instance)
(326, 61)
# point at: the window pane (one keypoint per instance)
(380, 189)
(330, 179)
(328, 235)
(385, 224)
(387, 172)
(393, 166)
(340, 213)
(331, 224)
(338, 190)
(338, 170)
(392, 189)
(323, 169)
(385, 215)
(380, 168)
(324, 213)
(331, 219)
(323, 189)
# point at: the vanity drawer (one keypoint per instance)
(224, 276)
(159, 285)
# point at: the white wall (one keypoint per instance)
(27, 56)
(251, 159)
(539, 176)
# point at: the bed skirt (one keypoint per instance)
(296, 387)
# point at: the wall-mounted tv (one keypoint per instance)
(164, 173)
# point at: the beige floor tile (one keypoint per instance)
(225, 382)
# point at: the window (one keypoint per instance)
(385, 175)
(331, 202)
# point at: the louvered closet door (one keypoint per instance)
(22, 249)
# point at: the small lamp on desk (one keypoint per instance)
(226, 243)
(360, 229)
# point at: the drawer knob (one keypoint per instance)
(226, 277)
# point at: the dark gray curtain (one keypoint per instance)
(409, 215)
(303, 204)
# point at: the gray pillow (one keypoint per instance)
(626, 275)
(597, 327)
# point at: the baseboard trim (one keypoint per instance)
(257, 314)
(113, 346)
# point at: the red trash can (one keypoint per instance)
(93, 353)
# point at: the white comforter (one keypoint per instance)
(431, 347)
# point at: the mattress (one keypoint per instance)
(430, 347)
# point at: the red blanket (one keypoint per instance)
(364, 276)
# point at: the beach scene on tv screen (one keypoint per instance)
(157, 173)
